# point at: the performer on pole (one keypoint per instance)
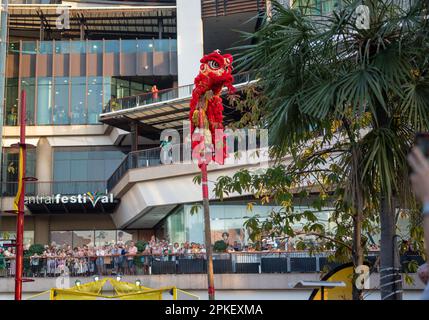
(208, 140)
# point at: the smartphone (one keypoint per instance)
(422, 142)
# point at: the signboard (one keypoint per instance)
(88, 197)
(97, 203)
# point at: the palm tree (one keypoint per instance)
(319, 70)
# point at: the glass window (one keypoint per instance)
(62, 47)
(10, 170)
(122, 88)
(107, 91)
(173, 44)
(95, 46)
(175, 231)
(145, 45)
(86, 164)
(129, 46)
(11, 118)
(78, 47)
(111, 46)
(62, 238)
(29, 47)
(13, 48)
(105, 237)
(95, 99)
(80, 169)
(45, 47)
(28, 84)
(28, 237)
(82, 238)
(78, 109)
(162, 45)
(44, 101)
(61, 104)
(124, 237)
(136, 88)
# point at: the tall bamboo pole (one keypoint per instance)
(205, 189)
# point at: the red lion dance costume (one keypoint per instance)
(215, 73)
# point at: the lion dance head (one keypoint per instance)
(215, 74)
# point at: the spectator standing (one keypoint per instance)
(116, 254)
(131, 253)
(100, 253)
(155, 92)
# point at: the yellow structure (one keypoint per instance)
(123, 291)
(343, 273)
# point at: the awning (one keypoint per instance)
(98, 20)
(8, 142)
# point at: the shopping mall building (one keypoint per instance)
(88, 69)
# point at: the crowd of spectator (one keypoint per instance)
(123, 258)
(86, 260)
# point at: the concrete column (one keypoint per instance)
(41, 230)
(44, 167)
(190, 44)
(134, 136)
(134, 145)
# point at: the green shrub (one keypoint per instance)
(36, 248)
(141, 245)
(220, 246)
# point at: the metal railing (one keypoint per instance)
(164, 95)
(141, 264)
(143, 159)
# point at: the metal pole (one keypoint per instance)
(20, 213)
(207, 227)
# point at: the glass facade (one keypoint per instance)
(69, 100)
(89, 167)
(11, 235)
(317, 7)
(94, 46)
(91, 237)
(181, 225)
(56, 96)
(9, 171)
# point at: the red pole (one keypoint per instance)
(207, 227)
(21, 206)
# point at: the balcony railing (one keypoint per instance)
(226, 263)
(164, 95)
(142, 159)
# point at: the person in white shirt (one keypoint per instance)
(100, 260)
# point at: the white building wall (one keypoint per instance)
(190, 48)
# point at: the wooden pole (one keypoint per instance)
(206, 206)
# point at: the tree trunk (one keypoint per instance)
(269, 8)
(358, 258)
(390, 273)
(357, 254)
